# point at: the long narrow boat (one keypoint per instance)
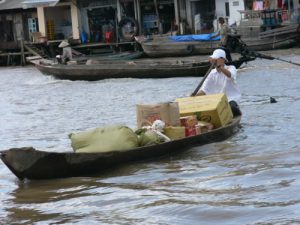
(29, 163)
(278, 38)
(167, 48)
(144, 68)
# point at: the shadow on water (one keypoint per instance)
(33, 201)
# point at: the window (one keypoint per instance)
(227, 9)
(6, 31)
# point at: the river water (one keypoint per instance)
(252, 178)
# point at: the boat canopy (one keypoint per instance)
(194, 37)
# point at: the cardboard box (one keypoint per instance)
(190, 131)
(214, 109)
(188, 121)
(167, 112)
(203, 127)
(199, 130)
(174, 133)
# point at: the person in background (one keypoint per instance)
(222, 79)
(223, 31)
(67, 53)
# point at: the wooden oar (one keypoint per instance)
(244, 50)
(202, 81)
(263, 56)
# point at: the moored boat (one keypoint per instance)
(277, 38)
(29, 163)
(145, 68)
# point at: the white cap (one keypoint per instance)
(63, 44)
(218, 53)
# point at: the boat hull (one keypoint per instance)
(170, 49)
(28, 163)
(130, 70)
(274, 39)
(167, 49)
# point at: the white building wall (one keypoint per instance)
(220, 8)
(234, 6)
(220, 12)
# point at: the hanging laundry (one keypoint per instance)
(279, 4)
(257, 5)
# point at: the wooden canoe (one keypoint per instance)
(29, 163)
(146, 68)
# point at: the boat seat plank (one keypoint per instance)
(279, 31)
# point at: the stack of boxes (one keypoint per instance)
(213, 109)
(188, 116)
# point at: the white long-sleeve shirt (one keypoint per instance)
(217, 82)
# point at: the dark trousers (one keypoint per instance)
(235, 108)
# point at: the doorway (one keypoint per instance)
(158, 18)
(102, 23)
(203, 13)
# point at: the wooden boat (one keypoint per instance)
(283, 37)
(165, 47)
(145, 68)
(29, 163)
(278, 38)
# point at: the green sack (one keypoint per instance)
(81, 139)
(104, 139)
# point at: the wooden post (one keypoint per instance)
(22, 52)
(289, 10)
(119, 16)
(42, 21)
(158, 17)
(118, 9)
(138, 15)
(176, 8)
(8, 59)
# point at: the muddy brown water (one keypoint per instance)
(252, 178)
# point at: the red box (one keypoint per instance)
(190, 131)
(188, 121)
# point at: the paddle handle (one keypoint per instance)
(202, 81)
(263, 56)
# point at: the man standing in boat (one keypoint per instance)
(223, 31)
(222, 79)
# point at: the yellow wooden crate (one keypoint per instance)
(214, 109)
